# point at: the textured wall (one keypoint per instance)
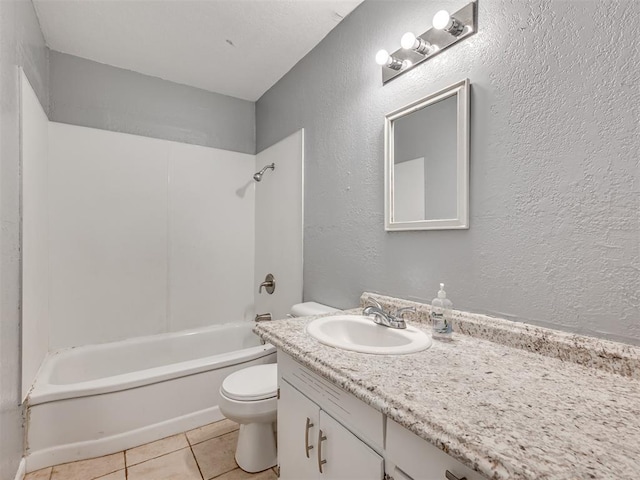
(92, 94)
(21, 44)
(555, 179)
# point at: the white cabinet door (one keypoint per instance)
(346, 456)
(298, 421)
(419, 460)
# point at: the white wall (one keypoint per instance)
(35, 247)
(21, 45)
(108, 235)
(211, 225)
(279, 224)
(146, 236)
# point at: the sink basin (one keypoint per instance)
(361, 334)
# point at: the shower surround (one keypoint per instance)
(149, 237)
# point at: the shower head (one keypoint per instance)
(258, 176)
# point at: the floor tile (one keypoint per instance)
(176, 465)
(89, 469)
(239, 474)
(155, 449)
(211, 431)
(216, 456)
(44, 474)
(119, 475)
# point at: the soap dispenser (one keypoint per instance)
(441, 316)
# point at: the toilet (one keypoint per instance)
(249, 398)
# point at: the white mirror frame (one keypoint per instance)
(462, 90)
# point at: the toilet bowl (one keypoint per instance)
(249, 398)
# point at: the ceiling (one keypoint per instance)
(234, 47)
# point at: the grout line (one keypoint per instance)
(221, 473)
(237, 467)
(211, 438)
(189, 446)
(159, 456)
(105, 474)
(196, 460)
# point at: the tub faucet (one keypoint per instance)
(263, 317)
(387, 319)
(269, 284)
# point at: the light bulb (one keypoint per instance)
(383, 58)
(441, 20)
(408, 41)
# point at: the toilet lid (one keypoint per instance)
(252, 383)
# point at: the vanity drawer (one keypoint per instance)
(419, 459)
(364, 421)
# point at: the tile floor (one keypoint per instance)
(201, 454)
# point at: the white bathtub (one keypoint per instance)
(99, 399)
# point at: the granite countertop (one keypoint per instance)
(503, 411)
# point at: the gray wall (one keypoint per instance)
(91, 94)
(21, 44)
(555, 179)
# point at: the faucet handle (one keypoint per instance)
(269, 284)
(373, 303)
(401, 311)
(372, 307)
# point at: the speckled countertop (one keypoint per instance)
(506, 412)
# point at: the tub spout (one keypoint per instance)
(263, 317)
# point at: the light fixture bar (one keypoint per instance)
(455, 27)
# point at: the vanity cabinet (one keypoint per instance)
(298, 421)
(319, 422)
(312, 444)
(416, 459)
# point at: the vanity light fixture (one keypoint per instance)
(447, 30)
(443, 21)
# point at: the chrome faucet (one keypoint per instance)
(387, 319)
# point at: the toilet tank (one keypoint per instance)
(311, 308)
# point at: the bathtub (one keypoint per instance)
(99, 399)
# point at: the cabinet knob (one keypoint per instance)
(450, 476)
(307, 447)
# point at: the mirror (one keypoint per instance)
(427, 162)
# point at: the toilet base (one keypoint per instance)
(256, 449)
